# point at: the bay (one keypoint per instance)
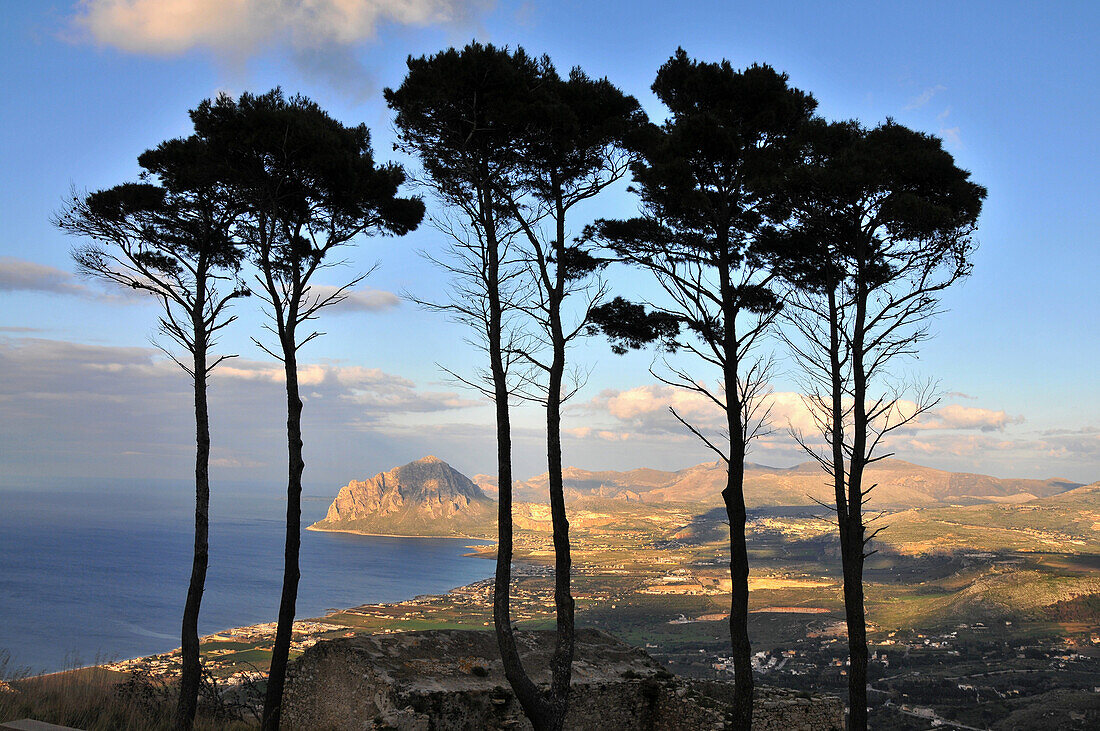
(96, 571)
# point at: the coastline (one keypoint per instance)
(304, 626)
(457, 537)
(318, 622)
(334, 577)
(261, 627)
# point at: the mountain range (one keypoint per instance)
(428, 497)
(899, 485)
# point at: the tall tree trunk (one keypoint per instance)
(526, 691)
(836, 431)
(836, 439)
(852, 559)
(192, 667)
(734, 497)
(280, 653)
(528, 694)
(561, 663)
(853, 539)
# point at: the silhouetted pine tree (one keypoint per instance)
(883, 223)
(454, 112)
(311, 186)
(572, 135)
(174, 240)
(706, 178)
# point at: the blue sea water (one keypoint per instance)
(100, 572)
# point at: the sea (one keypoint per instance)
(97, 571)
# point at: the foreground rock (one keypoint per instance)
(452, 679)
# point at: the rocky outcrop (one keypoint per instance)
(425, 497)
(452, 680)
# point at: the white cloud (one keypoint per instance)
(645, 409)
(165, 27)
(954, 432)
(924, 97)
(951, 134)
(30, 276)
(366, 299)
(956, 416)
(20, 274)
(320, 36)
(788, 410)
(89, 406)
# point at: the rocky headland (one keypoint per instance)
(427, 497)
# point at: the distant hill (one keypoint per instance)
(427, 497)
(900, 485)
(1067, 523)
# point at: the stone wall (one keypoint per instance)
(452, 680)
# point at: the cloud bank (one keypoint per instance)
(126, 411)
(75, 409)
(953, 436)
(21, 275)
(231, 27)
(321, 37)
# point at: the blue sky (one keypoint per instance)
(1011, 87)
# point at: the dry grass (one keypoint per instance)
(97, 699)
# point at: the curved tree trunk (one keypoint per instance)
(561, 662)
(528, 694)
(280, 653)
(734, 497)
(191, 677)
(852, 557)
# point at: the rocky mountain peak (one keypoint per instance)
(427, 491)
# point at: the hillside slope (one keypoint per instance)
(1068, 522)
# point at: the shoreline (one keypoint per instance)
(257, 626)
(319, 618)
(451, 536)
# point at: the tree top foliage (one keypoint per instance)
(296, 164)
(708, 178)
(880, 200)
(572, 128)
(178, 221)
(172, 235)
(506, 116)
(707, 171)
(459, 111)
